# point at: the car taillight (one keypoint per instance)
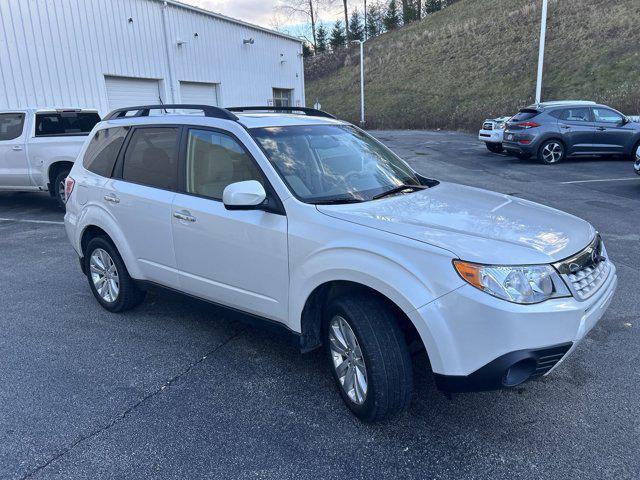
(528, 124)
(69, 183)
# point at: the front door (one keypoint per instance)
(613, 134)
(236, 258)
(14, 165)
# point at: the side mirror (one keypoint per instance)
(247, 195)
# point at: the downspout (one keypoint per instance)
(167, 44)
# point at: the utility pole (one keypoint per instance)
(362, 83)
(543, 33)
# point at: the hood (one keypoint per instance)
(475, 225)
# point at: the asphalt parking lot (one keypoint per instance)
(176, 389)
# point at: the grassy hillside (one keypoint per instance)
(478, 59)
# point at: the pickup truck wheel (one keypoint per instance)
(494, 147)
(108, 277)
(368, 356)
(58, 187)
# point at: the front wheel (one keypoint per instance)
(58, 187)
(494, 147)
(368, 356)
(550, 152)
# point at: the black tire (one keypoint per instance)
(522, 156)
(58, 187)
(633, 156)
(129, 295)
(494, 147)
(551, 152)
(384, 350)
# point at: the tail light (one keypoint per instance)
(69, 183)
(528, 124)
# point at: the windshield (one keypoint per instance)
(333, 163)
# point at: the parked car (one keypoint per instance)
(636, 165)
(552, 131)
(38, 147)
(310, 224)
(634, 118)
(491, 133)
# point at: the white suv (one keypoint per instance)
(310, 224)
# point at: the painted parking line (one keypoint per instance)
(626, 179)
(20, 220)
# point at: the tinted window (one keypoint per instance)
(65, 123)
(524, 115)
(102, 152)
(11, 125)
(215, 160)
(573, 114)
(152, 157)
(606, 115)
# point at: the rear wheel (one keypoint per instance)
(550, 152)
(494, 147)
(368, 356)
(58, 187)
(108, 277)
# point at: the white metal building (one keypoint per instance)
(105, 54)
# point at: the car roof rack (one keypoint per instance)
(143, 111)
(270, 108)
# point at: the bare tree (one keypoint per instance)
(346, 19)
(305, 8)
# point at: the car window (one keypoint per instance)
(151, 157)
(102, 152)
(524, 115)
(606, 115)
(65, 123)
(573, 114)
(11, 125)
(333, 163)
(215, 160)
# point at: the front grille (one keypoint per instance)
(487, 126)
(586, 271)
(548, 358)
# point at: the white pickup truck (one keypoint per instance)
(38, 147)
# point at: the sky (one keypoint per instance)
(267, 14)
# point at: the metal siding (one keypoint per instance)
(57, 53)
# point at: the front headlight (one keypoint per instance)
(518, 284)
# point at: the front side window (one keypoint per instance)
(333, 163)
(151, 157)
(102, 152)
(65, 123)
(11, 125)
(215, 160)
(607, 116)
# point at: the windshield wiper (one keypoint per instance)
(337, 201)
(398, 189)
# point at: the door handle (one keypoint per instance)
(601, 129)
(565, 126)
(16, 148)
(184, 215)
(111, 198)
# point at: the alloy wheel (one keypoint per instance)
(104, 275)
(61, 190)
(552, 152)
(348, 360)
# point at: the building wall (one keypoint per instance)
(57, 53)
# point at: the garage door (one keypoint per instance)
(128, 92)
(199, 93)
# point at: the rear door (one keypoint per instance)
(14, 165)
(577, 128)
(140, 197)
(237, 258)
(613, 134)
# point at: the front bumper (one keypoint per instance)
(490, 136)
(479, 342)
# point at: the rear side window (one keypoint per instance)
(65, 123)
(152, 157)
(572, 114)
(524, 115)
(102, 152)
(11, 125)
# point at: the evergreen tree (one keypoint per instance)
(321, 39)
(306, 50)
(391, 19)
(374, 20)
(338, 37)
(432, 6)
(356, 30)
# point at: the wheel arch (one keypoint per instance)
(54, 169)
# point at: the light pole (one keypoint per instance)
(543, 33)
(361, 42)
